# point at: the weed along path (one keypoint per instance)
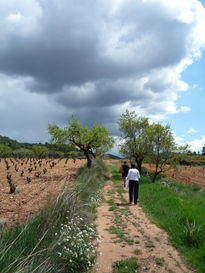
(127, 232)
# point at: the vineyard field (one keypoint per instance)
(184, 174)
(36, 180)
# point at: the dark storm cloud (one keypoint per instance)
(88, 116)
(101, 93)
(70, 45)
(93, 58)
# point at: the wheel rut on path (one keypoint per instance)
(126, 231)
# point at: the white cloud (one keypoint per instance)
(19, 18)
(191, 130)
(15, 17)
(179, 140)
(196, 145)
(184, 109)
(195, 86)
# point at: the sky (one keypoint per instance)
(97, 58)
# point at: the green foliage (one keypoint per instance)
(159, 261)
(129, 265)
(192, 233)
(5, 151)
(163, 151)
(161, 147)
(55, 154)
(24, 150)
(133, 141)
(137, 251)
(143, 140)
(40, 151)
(13, 144)
(92, 142)
(23, 153)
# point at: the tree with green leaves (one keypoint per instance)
(5, 151)
(22, 153)
(163, 151)
(92, 142)
(40, 151)
(133, 142)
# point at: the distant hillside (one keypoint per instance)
(111, 156)
(14, 144)
(65, 149)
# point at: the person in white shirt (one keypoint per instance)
(132, 181)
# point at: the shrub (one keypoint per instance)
(192, 233)
(75, 248)
(129, 265)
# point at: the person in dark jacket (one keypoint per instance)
(124, 171)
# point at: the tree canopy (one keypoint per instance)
(92, 142)
(40, 151)
(142, 139)
(134, 137)
(162, 148)
(5, 151)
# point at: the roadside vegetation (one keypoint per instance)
(129, 265)
(180, 210)
(177, 208)
(62, 237)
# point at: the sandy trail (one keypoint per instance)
(142, 239)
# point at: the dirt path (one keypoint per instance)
(126, 232)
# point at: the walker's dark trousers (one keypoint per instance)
(133, 188)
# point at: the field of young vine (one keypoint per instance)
(27, 184)
(184, 174)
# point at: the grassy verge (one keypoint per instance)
(180, 210)
(60, 238)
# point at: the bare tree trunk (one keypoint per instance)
(94, 156)
(155, 176)
(139, 164)
(89, 161)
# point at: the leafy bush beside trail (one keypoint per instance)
(62, 237)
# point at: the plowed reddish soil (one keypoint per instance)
(54, 176)
(184, 174)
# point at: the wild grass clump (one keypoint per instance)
(62, 237)
(192, 233)
(129, 265)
